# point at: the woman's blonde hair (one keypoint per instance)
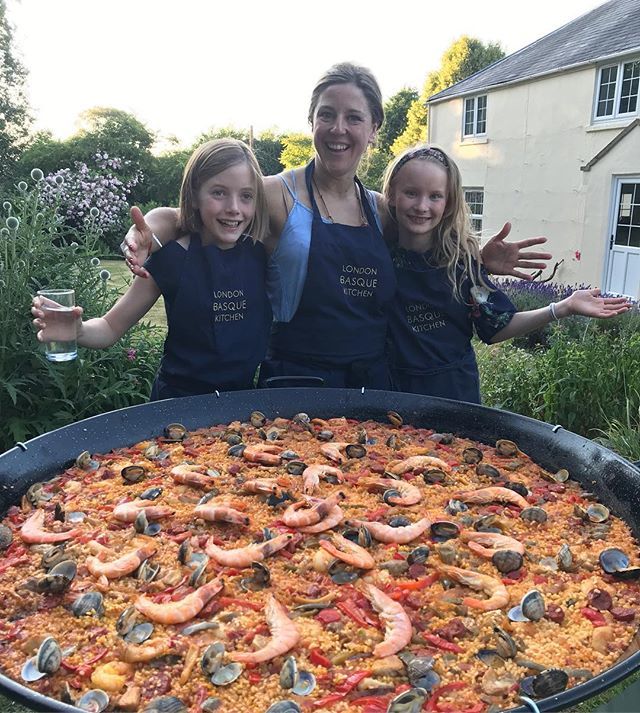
(208, 161)
(455, 245)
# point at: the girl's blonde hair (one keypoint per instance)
(455, 245)
(208, 161)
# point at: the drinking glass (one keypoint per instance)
(60, 332)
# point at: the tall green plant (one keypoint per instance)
(38, 249)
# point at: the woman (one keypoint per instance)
(330, 278)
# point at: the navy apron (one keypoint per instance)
(219, 320)
(430, 333)
(338, 331)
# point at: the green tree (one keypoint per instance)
(464, 57)
(15, 117)
(268, 147)
(395, 117)
(298, 150)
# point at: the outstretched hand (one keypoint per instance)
(502, 258)
(589, 303)
(136, 245)
(39, 321)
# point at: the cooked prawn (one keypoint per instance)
(263, 453)
(398, 630)
(419, 463)
(295, 516)
(408, 493)
(388, 534)
(348, 551)
(128, 512)
(221, 513)
(112, 676)
(151, 649)
(182, 610)
(494, 588)
(333, 451)
(284, 635)
(244, 556)
(122, 566)
(333, 518)
(312, 474)
(492, 495)
(261, 486)
(486, 544)
(32, 531)
(190, 474)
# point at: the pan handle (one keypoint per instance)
(293, 381)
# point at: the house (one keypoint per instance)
(549, 138)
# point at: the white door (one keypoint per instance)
(623, 265)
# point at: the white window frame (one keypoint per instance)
(617, 96)
(479, 116)
(476, 218)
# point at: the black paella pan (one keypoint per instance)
(615, 481)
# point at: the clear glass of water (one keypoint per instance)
(60, 332)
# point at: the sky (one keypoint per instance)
(187, 66)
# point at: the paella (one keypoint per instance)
(304, 564)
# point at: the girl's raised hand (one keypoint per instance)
(136, 245)
(589, 303)
(502, 258)
(40, 323)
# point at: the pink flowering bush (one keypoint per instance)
(97, 192)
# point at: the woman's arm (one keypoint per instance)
(587, 303)
(103, 332)
(502, 258)
(148, 233)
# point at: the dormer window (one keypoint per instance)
(618, 86)
(475, 116)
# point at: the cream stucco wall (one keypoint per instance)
(539, 135)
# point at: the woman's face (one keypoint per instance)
(342, 128)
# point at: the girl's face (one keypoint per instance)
(419, 196)
(227, 204)
(342, 128)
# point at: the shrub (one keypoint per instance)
(39, 249)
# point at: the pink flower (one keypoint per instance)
(578, 254)
(131, 354)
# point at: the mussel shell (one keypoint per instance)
(505, 645)
(342, 573)
(549, 682)
(398, 521)
(488, 470)
(185, 551)
(532, 605)
(597, 513)
(534, 514)
(418, 555)
(212, 658)
(395, 419)
(490, 657)
(612, 560)
(198, 575)
(152, 529)
(515, 614)
(75, 517)
(165, 704)
(444, 438)
(237, 450)
(506, 561)
(208, 496)
(302, 419)
(410, 701)
(151, 493)
(199, 626)
(456, 506)
(127, 620)
(139, 633)
(6, 537)
(66, 568)
(526, 686)
(257, 419)
(284, 707)
(447, 553)
(260, 578)
(560, 477)
(233, 439)
(132, 473)
(54, 554)
(565, 558)
(148, 571)
(472, 455)
(355, 450)
(85, 461)
(211, 704)
(443, 530)
(417, 666)
(517, 488)
(296, 467)
(175, 432)
(36, 495)
(305, 683)
(30, 672)
(289, 673)
(391, 496)
(225, 675)
(141, 522)
(88, 603)
(325, 435)
(49, 656)
(289, 455)
(434, 475)
(506, 448)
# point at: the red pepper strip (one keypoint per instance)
(81, 667)
(326, 616)
(443, 644)
(254, 677)
(439, 692)
(372, 704)
(13, 562)
(319, 659)
(232, 601)
(353, 611)
(418, 584)
(342, 690)
(594, 616)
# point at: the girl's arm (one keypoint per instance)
(588, 303)
(102, 332)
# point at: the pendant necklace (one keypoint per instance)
(326, 209)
